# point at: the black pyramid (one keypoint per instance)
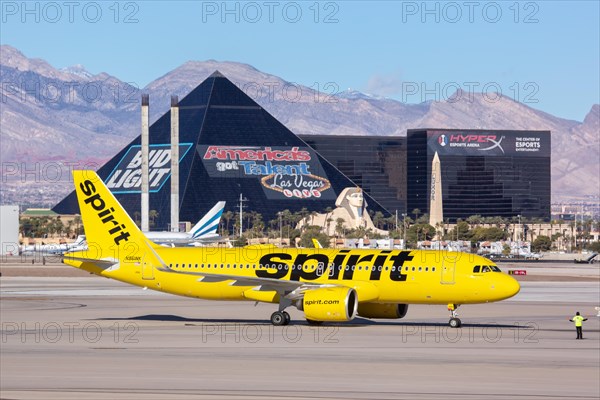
(229, 145)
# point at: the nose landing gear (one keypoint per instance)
(454, 320)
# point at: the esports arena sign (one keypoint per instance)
(284, 172)
(126, 177)
(495, 143)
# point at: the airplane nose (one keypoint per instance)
(510, 287)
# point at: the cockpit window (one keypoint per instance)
(485, 268)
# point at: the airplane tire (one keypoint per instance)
(278, 318)
(455, 323)
(287, 317)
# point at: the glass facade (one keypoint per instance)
(376, 164)
(484, 172)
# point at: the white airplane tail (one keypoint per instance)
(207, 226)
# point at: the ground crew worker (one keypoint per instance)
(578, 320)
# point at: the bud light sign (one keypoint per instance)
(127, 175)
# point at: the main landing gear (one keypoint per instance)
(454, 320)
(279, 318)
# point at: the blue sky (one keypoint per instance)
(543, 53)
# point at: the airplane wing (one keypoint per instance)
(291, 289)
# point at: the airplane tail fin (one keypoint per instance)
(208, 225)
(110, 232)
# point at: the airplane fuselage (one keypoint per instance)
(387, 276)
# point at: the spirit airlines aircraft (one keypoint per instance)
(205, 231)
(327, 285)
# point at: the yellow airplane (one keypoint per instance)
(327, 285)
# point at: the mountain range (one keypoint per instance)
(51, 115)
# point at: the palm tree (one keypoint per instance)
(313, 214)
(152, 215)
(378, 219)
(227, 216)
(77, 222)
(327, 219)
(416, 213)
(258, 225)
(474, 220)
(328, 222)
(339, 226)
(137, 218)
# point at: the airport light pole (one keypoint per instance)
(404, 230)
(242, 200)
(280, 229)
(519, 237)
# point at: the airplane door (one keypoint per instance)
(448, 271)
(147, 269)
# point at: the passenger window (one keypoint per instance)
(420, 269)
(433, 269)
(476, 269)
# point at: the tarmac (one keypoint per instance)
(72, 337)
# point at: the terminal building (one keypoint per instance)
(229, 146)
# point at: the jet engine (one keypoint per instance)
(329, 304)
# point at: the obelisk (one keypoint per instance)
(436, 211)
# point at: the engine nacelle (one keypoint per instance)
(330, 304)
(382, 310)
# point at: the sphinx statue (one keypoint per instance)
(351, 206)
